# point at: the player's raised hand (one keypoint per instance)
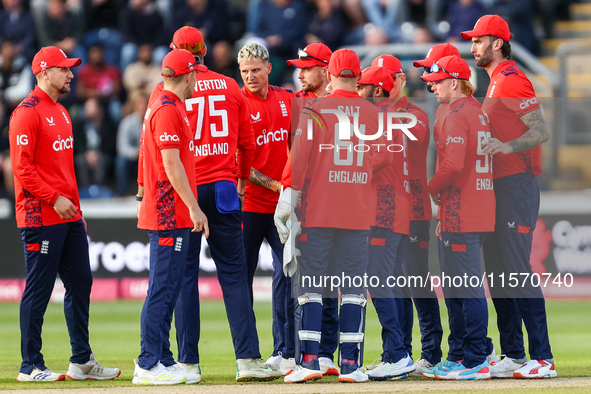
(199, 221)
(64, 208)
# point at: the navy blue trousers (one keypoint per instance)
(417, 264)
(257, 227)
(462, 257)
(51, 250)
(227, 250)
(507, 251)
(383, 258)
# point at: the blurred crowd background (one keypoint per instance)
(122, 42)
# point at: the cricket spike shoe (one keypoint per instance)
(327, 367)
(479, 372)
(192, 378)
(37, 375)
(307, 371)
(248, 369)
(505, 368)
(441, 373)
(536, 369)
(91, 370)
(395, 370)
(351, 372)
(443, 366)
(420, 366)
(158, 375)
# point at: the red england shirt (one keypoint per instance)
(271, 119)
(390, 186)
(220, 121)
(510, 96)
(41, 153)
(464, 176)
(334, 175)
(165, 127)
(417, 161)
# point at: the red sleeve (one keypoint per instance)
(25, 121)
(286, 176)
(246, 147)
(167, 124)
(519, 96)
(455, 135)
(155, 93)
(421, 129)
(140, 162)
(301, 151)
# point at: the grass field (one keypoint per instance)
(115, 338)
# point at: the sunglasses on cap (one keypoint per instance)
(436, 68)
(194, 49)
(303, 55)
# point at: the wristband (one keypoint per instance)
(241, 195)
(138, 198)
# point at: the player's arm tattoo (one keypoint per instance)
(537, 134)
(259, 179)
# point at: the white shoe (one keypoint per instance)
(274, 361)
(386, 371)
(253, 369)
(536, 369)
(37, 375)
(504, 368)
(192, 378)
(327, 367)
(157, 375)
(91, 370)
(301, 375)
(420, 365)
(493, 357)
(357, 376)
(287, 365)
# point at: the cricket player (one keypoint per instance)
(313, 64)
(390, 227)
(518, 129)
(270, 113)
(50, 221)
(169, 212)
(335, 215)
(462, 187)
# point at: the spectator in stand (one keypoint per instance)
(224, 62)
(18, 23)
(128, 141)
(16, 79)
(281, 26)
(99, 80)
(209, 16)
(7, 184)
(387, 15)
(141, 23)
(461, 16)
(61, 28)
(519, 15)
(142, 75)
(327, 24)
(94, 144)
(100, 13)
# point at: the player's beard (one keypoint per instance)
(486, 57)
(65, 88)
(314, 85)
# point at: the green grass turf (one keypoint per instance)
(115, 339)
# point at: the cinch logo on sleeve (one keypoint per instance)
(59, 144)
(167, 138)
(454, 140)
(271, 136)
(526, 103)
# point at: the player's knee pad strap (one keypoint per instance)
(306, 335)
(350, 337)
(310, 297)
(355, 299)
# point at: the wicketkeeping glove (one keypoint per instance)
(290, 252)
(288, 200)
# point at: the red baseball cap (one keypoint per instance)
(435, 53)
(342, 60)
(377, 76)
(181, 61)
(313, 55)
(48, 57)
(489, 25)
(389, 62)
(189, 38)
(449, 67)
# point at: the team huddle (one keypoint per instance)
(313, 174)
